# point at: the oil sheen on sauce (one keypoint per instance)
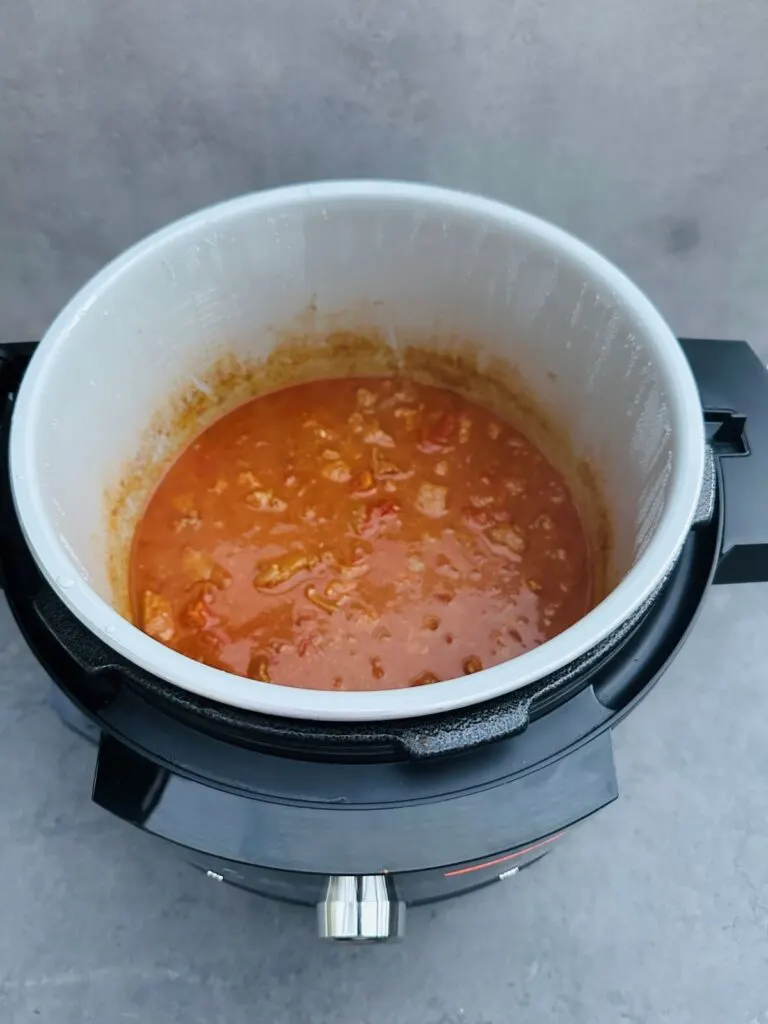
(359, 534)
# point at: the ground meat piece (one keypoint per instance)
(248, 479)
(353, 572)
(365, 399)
(439, 433)
(258, 668)
(379, 437)
(508, 536)
(432, 500)
(515, 487)
(385, 470)
(543, 522)
(375, 519)
(265, 501)
(337, 471)
(479, 518)
(445, 567)
(188, 522)
(557, 495)
(197, 612)
(424, 679)
(196, 563)
(363, 482)
(157, 616)
(273, 574)
(356, 423)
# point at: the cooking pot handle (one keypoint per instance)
(733, 384)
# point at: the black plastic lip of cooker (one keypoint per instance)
(209, 740)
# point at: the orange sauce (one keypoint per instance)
(359, 534)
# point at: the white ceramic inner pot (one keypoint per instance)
(124, 376)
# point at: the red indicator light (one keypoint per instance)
(502, 860)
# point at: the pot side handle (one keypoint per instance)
(733, 385)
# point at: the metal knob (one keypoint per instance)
(360, 908)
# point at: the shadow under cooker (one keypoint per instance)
(428, 807)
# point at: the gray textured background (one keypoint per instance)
(642, 127)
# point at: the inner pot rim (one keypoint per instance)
(63, 574)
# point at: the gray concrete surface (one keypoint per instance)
(640, 126)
